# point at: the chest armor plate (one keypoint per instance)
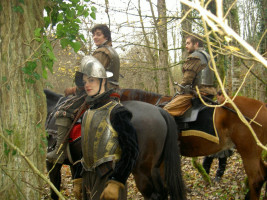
(99, 140)
(206, 75)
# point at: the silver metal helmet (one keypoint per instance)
(91, 67)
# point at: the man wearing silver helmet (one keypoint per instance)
(196, 72)
(112, 167)
(109, 141)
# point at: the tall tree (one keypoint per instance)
(235, 66)
(26, 56)
(163, 48)
(161, 28)
(262, 5)
(186, 25)
(22, 102)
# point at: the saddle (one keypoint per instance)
(191, 114)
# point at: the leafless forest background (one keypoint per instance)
(150, 42)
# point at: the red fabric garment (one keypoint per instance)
(115, 95)
(75, 132)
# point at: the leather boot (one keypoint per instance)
(59, 155)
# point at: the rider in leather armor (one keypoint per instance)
(105, 54)
(196, 72)
(109, 141)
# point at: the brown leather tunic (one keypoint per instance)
(110, 60)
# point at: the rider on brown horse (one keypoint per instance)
(196, 72)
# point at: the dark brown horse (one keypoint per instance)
(229, 130)
(157, 171)
(140, 95)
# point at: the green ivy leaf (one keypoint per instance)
(29, 68)
(9, 132)
(6, 149)
(61, 32)
(60, 17)
(92, 14)
(4, 78)
(93, 9)
(48, 44)
(86, 13)
(14, 152)
(76, 46)
(41, 149)
(75, 1)
(18, 9)
(37, 32)
(64, 43)
(29, 80)
(82, 37)
(47, 21)
(45, 74)
(51, 55)
(36, 76)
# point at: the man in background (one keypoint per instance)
(196, 73)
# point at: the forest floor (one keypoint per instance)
(231, 187)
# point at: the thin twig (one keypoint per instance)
(32, 166)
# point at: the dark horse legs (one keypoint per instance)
(55, 177)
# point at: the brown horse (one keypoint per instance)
(229, 131)
(140, 95)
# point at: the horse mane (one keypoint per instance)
(51, 99)
(138, 94)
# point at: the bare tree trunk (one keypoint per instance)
(22, 104)
(186, 27)
(163, 49)
(235, 62)
(151, 55)
(263, 49)
(161, 27)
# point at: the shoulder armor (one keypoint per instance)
(114, 65)
(202, 55)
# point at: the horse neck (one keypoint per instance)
(250, 107)
(139, 95)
